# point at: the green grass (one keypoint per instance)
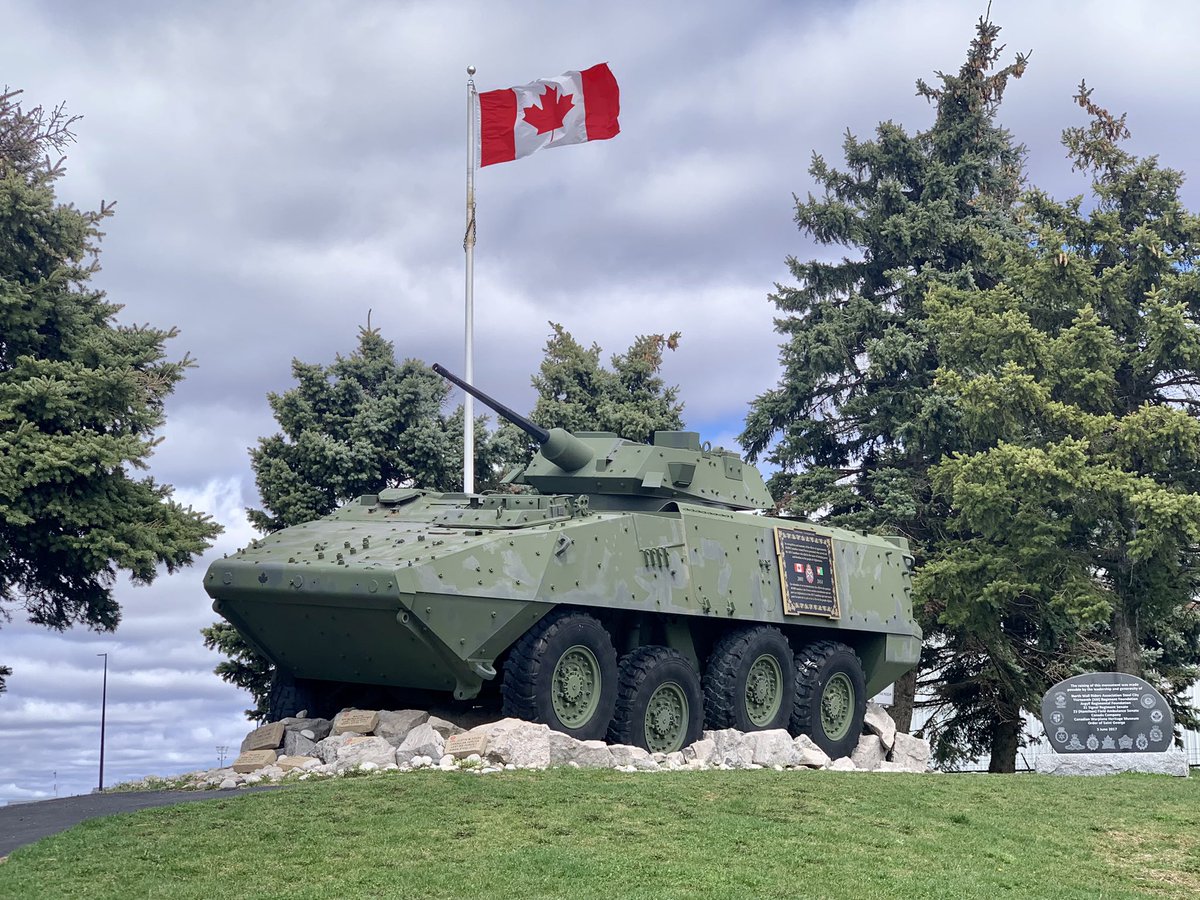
(607, 834)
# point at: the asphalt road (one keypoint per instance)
(25, 823)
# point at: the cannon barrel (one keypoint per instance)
(558, 445)
(535, 431)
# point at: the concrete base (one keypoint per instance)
(1170, 762)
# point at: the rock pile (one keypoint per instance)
(361, 741)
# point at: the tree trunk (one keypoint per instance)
(1125, 640)
(903, 698)
(1006, 736)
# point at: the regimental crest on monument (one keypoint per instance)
(806, 573)
(1107, 711)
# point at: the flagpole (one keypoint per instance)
(469, 312)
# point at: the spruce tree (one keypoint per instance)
(81, 398)
(853, 426)
(1075, 496)
(365, 422)
(577, 393)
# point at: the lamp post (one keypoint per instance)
(103, 709)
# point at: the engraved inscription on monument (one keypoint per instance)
(806, 573)
(1107, 712)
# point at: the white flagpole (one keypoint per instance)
(469, 249)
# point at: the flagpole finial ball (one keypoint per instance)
(470, 70)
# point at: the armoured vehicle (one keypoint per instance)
(629, 591)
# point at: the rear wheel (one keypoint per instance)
(659, 704)
(831, 697)
(750, 683)
(563, 672)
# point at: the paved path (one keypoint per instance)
(24, 823)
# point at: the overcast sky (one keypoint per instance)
(281, 169)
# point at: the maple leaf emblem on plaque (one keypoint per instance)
(551, 113)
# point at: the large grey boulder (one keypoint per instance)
(869, 753)
(878, 721)
(911, 752)
(421, 741)
(627, 755)
(327, 749)
(701, 751)
(299, 743)
(773, 747)
(394, 725)
(516, 742)
(444, 727)
(362, 750)
(320, 728)
(842, 764)
(809, 753)
(565, 750)
(730, 748)
(1168, 762)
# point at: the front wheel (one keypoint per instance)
(831, 697)
(659, 704)
(563, 672)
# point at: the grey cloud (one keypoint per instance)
(280, 171)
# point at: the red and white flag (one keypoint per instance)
(570, 109)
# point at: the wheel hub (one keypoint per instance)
(764, 689)
(575, 686)
(837, 705)
(666, 718)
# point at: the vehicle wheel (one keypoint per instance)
(563, 672)
(659, 704)
(750, 681)
(290, 695)
(831, 697)
(283, 699)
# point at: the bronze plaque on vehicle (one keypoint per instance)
(806, 573)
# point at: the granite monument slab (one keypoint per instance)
(1107, 712)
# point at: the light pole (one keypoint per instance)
(103, 709)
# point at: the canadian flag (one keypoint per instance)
(570, 109)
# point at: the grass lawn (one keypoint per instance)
(608, 834)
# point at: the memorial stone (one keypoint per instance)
(1107, 712)
(359, 721)
(461, 746)
(254, 759)
(266, 738)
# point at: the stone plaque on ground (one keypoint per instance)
(1107, 712)
(266, 738)
(461, 746)
(360, 721)
(253, 759)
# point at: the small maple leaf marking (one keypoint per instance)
(551, 113)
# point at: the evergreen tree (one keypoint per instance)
(853, 426)
(81, 398)
(577, 393)
(1076, 384)
(363, 423)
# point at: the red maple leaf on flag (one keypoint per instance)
(551, 113)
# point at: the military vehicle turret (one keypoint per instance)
(632, 592)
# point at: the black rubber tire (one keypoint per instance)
(729, 668)
(286, 697)
(289, 695)
(816, 665)
(643, 672)
(529, 672)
